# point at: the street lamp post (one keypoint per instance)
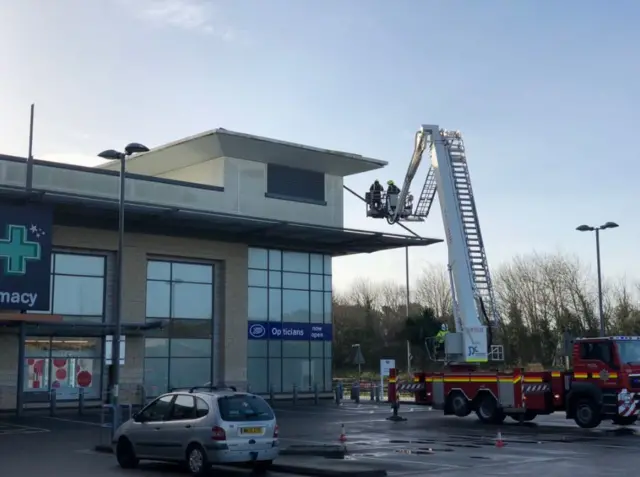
(597, 229)
(111, 154)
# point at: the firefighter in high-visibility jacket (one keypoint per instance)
(440, 339)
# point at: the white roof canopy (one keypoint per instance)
(223, 143)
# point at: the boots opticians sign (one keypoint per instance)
(25, 257)
(262, 330)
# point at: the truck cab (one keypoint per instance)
(604, 382)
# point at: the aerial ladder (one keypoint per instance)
(474, 304)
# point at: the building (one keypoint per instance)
(227, 269)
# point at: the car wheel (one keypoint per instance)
(197, 461)
(125, 454)
(262, 466)
(624, 420)
(587, 414)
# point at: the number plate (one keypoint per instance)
(251, 431)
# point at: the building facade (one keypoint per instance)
(227, 276)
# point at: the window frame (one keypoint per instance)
(279, 182)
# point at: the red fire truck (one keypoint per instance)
(605, 374)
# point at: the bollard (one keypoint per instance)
(355, 392)
(378, 393)
(248, 388)
(271, 395)
(295, 394)
(52, 402)
(80, 401)
(316, 394)
(372, 392)
(143, 397)
(337, 392)
(340, 390)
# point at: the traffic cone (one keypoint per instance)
(343, 434)
(499, 441)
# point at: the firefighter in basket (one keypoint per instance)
(440, 339)
(393, 191)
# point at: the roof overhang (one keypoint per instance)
(74, 329)
(92, 212)
(220, 142)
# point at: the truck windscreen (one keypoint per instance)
(629, 352)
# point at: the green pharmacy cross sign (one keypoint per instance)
(25, 257)
(16, 249)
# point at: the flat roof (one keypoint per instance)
(95, 212)
(221, 142)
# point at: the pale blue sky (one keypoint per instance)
(544, 91)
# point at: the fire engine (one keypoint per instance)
(601, 376)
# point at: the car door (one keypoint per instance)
(146, 430)
(179, 426)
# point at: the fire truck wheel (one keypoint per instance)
(624, 420)
(526, 417)
(488, 410)
(587, 414)
(459, 404)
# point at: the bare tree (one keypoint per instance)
(433, 290)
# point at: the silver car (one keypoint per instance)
(200, 426)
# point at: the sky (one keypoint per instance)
(544, 92)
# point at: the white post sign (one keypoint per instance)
(385, 366)
(108, 349)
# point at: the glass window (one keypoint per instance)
(316, 307)
(186, 372)
(328, 375)
(275, 279)
(258, 258)
(295, 306)
(327, 283)
(158, 409)
(66, 375)
(297, 281)
(295, 349)
(295, 371)
(275, 375)
(74, 264)
(257, 348)
(275, 260)
(327, 308)
(275, 349)
(295, 262)
(243, 408)
(190, 348)
(156, 376)
(158, 270)
(328, 347)
(257, 304)
(315, 263)
(275, 305)
(158, 299)
(156, 348)
(317, 373)
(74, 295)
(317, 349)
(191, 272)
(257, 375)
(190, 328)
(257, 278)
(184, 407)
(317, 282)
(67, 347)
(327, 264)
(202, 408)
(37, 347)
(191, 300)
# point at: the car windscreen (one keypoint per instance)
(243, 408)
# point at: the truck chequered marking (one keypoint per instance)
(536, 388)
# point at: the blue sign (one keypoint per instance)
(262, 330)
(25, 257)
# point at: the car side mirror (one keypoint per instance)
(139, 417)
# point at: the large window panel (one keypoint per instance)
(275, 304)
(316, 370)
(156, 376)
(328, 349)
(258, 278)
(191, 272)
(76, 347)
(327, 264)
(190, 328)
(275, 260)
(190, 348)
(73, 295)
(257, 304)
(275, 279)
(258, 375)
(288, 182)
(296, 281)
(75, 264)
(316, 263)
(257, 348)
(158, 270)
(316, 307)
(275, 375)
(185, 372)
(328, 375)
(258, 258)
(295, 371)
(317, 282)
(317, 349)
(275, 349)
(158, 299)
(191, 300)
(295, 262)
(295, 349)
(156, 348)
(295, 306)
(328, 308)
